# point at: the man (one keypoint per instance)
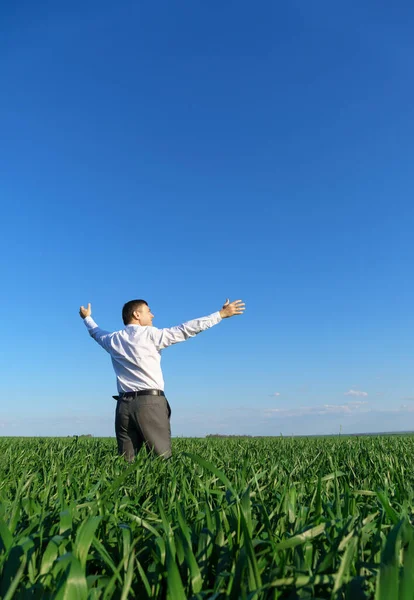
(142, 413)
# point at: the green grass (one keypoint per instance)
(225, 518)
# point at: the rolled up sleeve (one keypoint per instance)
(163, 338)
(99, 335)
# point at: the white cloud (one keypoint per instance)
(357, 402)
(405, 408)
(348, 408)
(355, 393)
(355, 415)
(275, 394)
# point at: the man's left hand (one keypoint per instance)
(85, 312)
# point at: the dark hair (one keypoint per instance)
(129, 308)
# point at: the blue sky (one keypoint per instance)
(185, 152)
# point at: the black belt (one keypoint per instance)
(123, 395)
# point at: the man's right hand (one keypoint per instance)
(85, 312)
(230, 309)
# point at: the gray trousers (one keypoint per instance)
(144, 420)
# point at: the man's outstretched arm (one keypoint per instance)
(99, 335)
(163, 338)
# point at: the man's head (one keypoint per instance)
(137, 312)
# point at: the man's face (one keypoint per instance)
(145, 315)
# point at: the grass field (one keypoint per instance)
(225, 518)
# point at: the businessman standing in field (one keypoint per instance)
(142, 413)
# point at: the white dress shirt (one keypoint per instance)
(136, 350)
